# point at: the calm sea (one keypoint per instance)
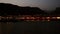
(36, 27)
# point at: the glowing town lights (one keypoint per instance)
(54, 17)
(7, 17)
(37, 18)
(30, 18)
(18, 18)
(58, 17)
(47, 17)
(33, 18)
(10, 17)
(48, 20)
(43, 18)
(22, 18)
(27, 17)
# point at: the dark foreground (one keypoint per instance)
(39, 27)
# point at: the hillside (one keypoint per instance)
(10, 9)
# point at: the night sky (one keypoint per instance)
(43, 4)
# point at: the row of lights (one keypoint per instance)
(38, 18)
(30, 18)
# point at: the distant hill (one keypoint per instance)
(56, 12)
(10, 9)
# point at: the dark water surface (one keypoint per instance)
(37, 27)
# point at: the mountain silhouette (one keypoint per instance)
(56, 12)
(10, 9)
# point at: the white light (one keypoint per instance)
(58, 17)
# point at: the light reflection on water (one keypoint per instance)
(24, 27)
